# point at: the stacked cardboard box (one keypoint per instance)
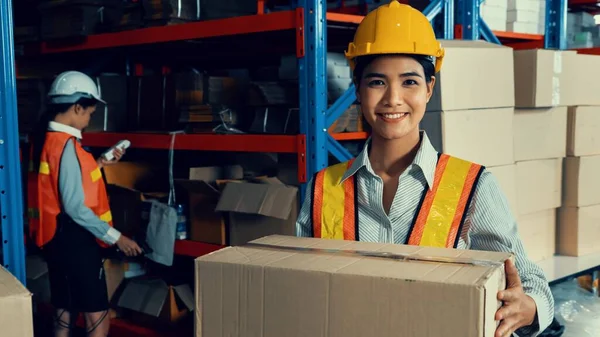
(579, 218)
(495, 14)
(540, 143)
(526, 16)
(474, 120)
(578, 224)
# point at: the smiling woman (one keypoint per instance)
(400, 189)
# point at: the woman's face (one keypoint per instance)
(393, 95)
(83, 116)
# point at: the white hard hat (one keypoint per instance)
(70, 86)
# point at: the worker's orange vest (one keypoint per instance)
(42, 188)
(439, 217)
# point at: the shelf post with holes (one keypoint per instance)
(313, 85)
(556, 25)
(11, 194)
(467, 16)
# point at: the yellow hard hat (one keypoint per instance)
(395, 29)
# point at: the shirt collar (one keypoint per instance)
(426, 160)
(59, 127)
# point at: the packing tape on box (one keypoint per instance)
(556, 78)
(383, 255)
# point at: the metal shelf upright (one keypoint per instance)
(11, 205)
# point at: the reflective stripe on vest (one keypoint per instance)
(439, 217)
(338, 218)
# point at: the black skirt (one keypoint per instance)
(75, 269)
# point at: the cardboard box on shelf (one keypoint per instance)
(234, 211)
(484, 136)
(112, 116)
(539, 185)
(506, 176)
(543, 78)
(482, 86)
(281, 284)
(16, 311)
(540, 133)
(580, 181)
(583, 138)
(578, 230)
(538, 233)
(154, 301)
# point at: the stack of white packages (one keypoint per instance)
(526, 16)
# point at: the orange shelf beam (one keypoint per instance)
(350, 136)
(199, 142)
(589, 51)
(518, 36)
(345, 18)
(194, 249)
(582, 2)
(284, 20)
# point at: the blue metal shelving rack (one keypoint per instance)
(11, 201)
(316, 116)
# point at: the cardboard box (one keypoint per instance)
(157, 302)
(482, 86)
(16, 311)
(241, 211)
(507, 178)
(581, 183)
(584, 86)
(583, 124)
(538, 233)
(312, 289)
(112, 116)
(578, 230)
(541, 78)
(470, 134)
(539, 185)
(540, 133)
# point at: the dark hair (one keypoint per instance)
(38, 136)
(363, 62)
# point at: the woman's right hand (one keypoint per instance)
(128, 246)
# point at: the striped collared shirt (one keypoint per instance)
(489, 224)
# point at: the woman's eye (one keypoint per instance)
(410, 82)
(376, 83)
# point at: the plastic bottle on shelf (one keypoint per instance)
(181, 232)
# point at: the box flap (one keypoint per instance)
(265, 199)
(184, 293)
(146, 296)
(10, 286)
(198, 187)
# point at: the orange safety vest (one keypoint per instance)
(439, 217)
(42, 188)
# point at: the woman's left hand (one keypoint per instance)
(117, 153)
(518, 309)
